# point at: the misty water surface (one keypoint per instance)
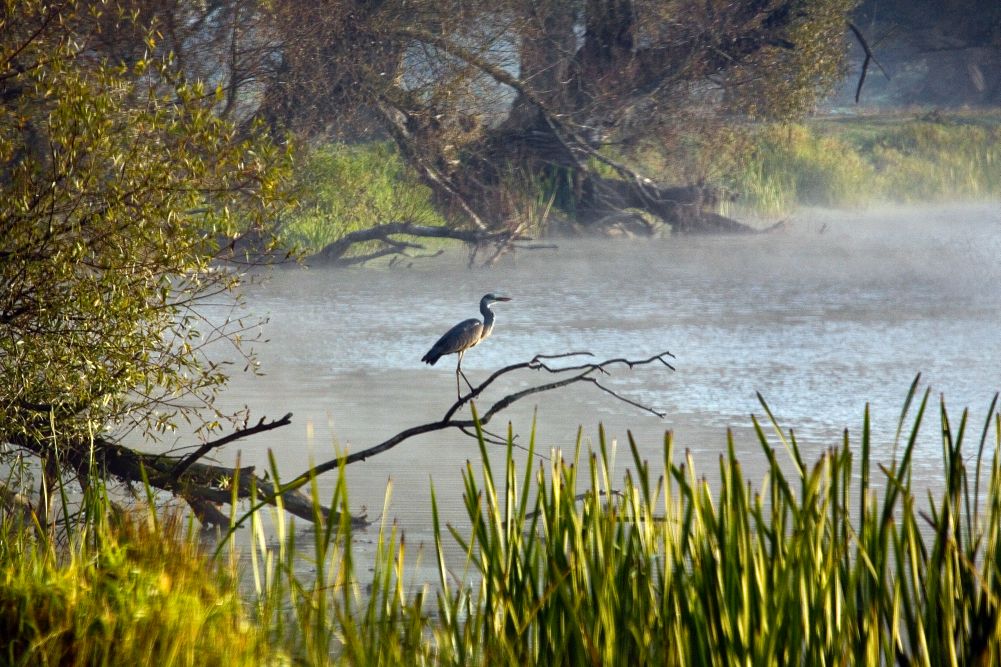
(838, 310)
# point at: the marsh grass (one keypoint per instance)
(838, 560)
(849, 162)
(120, 588)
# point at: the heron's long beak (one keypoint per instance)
(503, 298)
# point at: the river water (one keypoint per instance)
(836, 310)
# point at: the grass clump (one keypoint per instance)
(342, 188)
(122, 589)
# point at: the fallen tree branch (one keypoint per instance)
(260, 427)
(577, 373)
(206, 486)
(202, 485)
(335, 253)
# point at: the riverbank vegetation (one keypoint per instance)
(765, 172)
(870, 160)
(135, 196)
(837, 558)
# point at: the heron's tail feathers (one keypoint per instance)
(431, 357)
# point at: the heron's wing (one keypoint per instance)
(462, 336)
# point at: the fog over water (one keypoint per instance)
(838, 309)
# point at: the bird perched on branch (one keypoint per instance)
(464, 335)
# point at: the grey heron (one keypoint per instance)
(464, 335)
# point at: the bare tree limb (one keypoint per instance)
(260, 427)
(579, 373)
(205, 486)
(865, 63)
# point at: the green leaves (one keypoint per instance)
(116, 184)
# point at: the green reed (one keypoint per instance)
(837, 560)
(820, 564)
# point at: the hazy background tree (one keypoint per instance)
(945, 53)
(505, 106)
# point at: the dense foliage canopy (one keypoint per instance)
(119, 187)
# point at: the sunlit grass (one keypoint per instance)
(860, 161)
(121, 589)
(342, 188)
(837, 560)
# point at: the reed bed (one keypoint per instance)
(839, 560)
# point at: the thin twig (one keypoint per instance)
(869, 57)
(260, 427)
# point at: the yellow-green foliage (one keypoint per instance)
(932, 159)
(790, 164)
(125, 592)
(115, 185)
(345, 187)
(869, 160)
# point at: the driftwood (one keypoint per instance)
(687, 210)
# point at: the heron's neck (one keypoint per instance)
(488, 319)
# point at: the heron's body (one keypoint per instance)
(464, 335)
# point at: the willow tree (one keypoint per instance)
(491, 100)
(120, 187)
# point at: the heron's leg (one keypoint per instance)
(458, 372)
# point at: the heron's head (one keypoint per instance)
(492, 298)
